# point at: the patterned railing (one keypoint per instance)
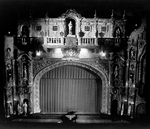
(88, 41)
(111, 41)
(52, 41)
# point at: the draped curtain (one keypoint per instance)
(70, 88)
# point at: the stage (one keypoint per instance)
(81, 118)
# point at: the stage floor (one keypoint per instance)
(81, 118)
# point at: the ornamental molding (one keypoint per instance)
(70, 13)
(71, 51)
(38, 65)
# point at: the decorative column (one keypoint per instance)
(30, 66)
(9, 76)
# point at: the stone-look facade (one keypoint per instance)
(99, 45)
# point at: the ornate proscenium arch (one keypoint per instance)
(98, 70)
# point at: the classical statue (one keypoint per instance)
(70, 28)
(10, 108)
(116, 71)
(25, 72)
(132, 54)
(19, 109)
(25, 108)
(8, 55)
(118, 33)
(9, 72)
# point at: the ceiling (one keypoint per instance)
(86, 7)
(10, 9)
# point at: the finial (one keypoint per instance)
(30, 15)
(112, 14)
(124, 14)
(46, 15)
(95, 15)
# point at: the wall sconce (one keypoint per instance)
(38, 53)
(102, 54)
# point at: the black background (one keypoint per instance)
(11, 10)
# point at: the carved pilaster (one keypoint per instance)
(119, 29)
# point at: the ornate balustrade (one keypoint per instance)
(34, 42)
(88, 41)
(28, 40)
(112, 41)
(54, 41)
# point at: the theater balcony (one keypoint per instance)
(37, 43)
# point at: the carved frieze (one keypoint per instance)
(71, 53)
(117, 72)
(24, 64)
(40, 64)
(119, 29)
(70, 13)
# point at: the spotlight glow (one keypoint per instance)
(38, 53)
(103, 54)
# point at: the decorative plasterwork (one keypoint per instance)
(71, 51)
(121, 25)
(117, 71)
(98, 70)
(70, 13)
(41, 64)
(38, 65)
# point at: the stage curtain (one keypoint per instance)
(70, 88)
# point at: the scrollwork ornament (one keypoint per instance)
(38, 65)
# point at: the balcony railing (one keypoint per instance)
(111, 41)
(88, 41)
(52, 41)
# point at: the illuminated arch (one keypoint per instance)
(98, 70)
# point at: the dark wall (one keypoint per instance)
(146, 90)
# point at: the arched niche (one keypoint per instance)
(69, 21)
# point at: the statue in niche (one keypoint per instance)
(118, 33)
(10, 108)
(9, 72)
(122, 109)
(25, 31)
(131, 79)
(115, 93)
(132, 67)
(70, 25)
(8, 50)
(25, 76)
(132, 54)
(116, 71)
(19, 109)
(25, 108)
(8, 115)
(130, 110)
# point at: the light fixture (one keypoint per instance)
(103, 54)
(38, 53)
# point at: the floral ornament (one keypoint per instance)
(81, 33)
(61, 33)
(101, 34)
